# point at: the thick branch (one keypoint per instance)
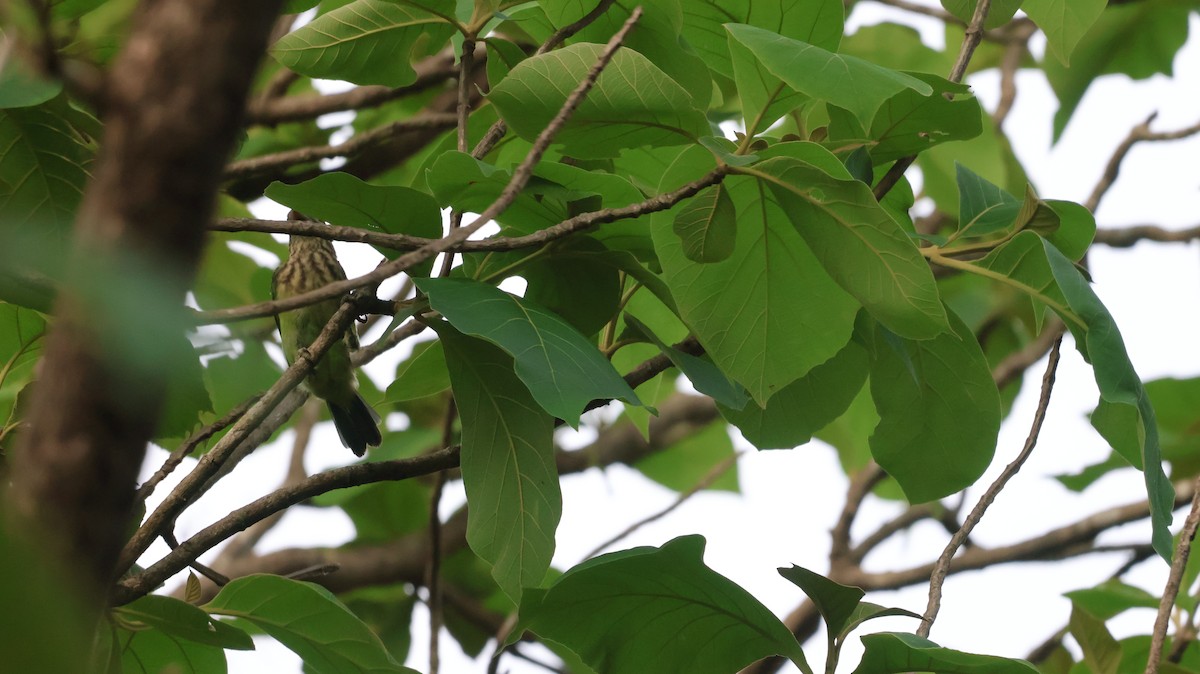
(169, 126)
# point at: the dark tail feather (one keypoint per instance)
(357, 425)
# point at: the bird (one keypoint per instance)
(311, 264)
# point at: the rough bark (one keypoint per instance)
(172, 107)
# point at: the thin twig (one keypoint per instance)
(190, 445)
(1178, 566)
(704, 483)
(208, 466)
(497, 130)
(433, 570)
(1137, 134)
(971, 39)
(1014, 52)
(353, 475)
(942, 567)
(257, 166)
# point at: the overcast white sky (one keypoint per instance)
(791, 498)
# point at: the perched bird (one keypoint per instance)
(311, 264)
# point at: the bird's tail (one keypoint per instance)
(357, 424)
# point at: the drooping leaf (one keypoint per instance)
(939, 412)
(365, 42)
(1064, 22)
(805, 406)
(663, 605)
(307, 619)
(615, 114)
(1076, 229)
(888, 652)
(846, 81)
(858, 244)
(558, 365)
(507, 464)
(745, 310)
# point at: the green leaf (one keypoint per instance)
(615, 115)
(744, 309)
(21, 343)
(1123, 400)
(562, 370)
(910, 123)
(859, 245)
(507, 464)
(888, 652)
(1138, 39)
(584, 289)
(999, 12)
(846, 81)
(181, 619)
(983, 208)
(939, 412)
(1101, 651)
(805, 406)
(342, 199)
(687, 462)
(42, 173)
(707, 225)
(422, 374)
(991, 158)
(457, 179)
(705, 376)
(898, 45)
(764, 96)
(817, 22)
(1064, 22)
(835, 602)
(867, 611)
(503, 56)
(1076, 229)
(663, 605)
(21, 86)
(365, 42)
(657, 37)
(307, 619)
(1111, 598)
(154, 651)
(186, 398)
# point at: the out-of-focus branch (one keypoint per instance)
(1127, 237)
(1137, 134)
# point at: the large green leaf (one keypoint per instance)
(507, 464)
(633, 102)
(558, 365)
(846, 81)
(1101, 651)
(1138, 39)
(764, 96)
(888, 652)
(307, 619)
(768, 313)
(1064, 22)
(657, 37)
(1124, 416)
(805, 406)
(817, 22)
(687, 462)
(342, 199)
(422, 374)
(859, 245)
(365, 42)
(705, 376)
(939, 411)
(155, 651)
(1112, 597)
(657, 605)
(21, 85)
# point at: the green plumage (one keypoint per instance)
(311, 264)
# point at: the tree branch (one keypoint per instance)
(1137, 134)
(1175, 578)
